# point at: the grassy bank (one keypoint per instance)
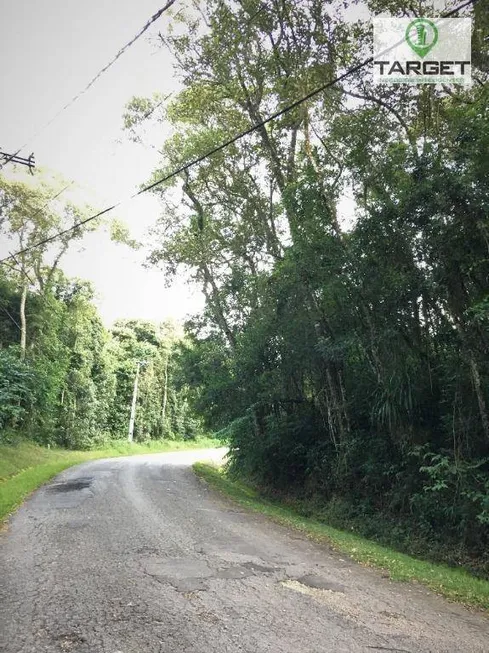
(455, 584)
(25, 466)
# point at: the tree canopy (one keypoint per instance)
(65, 379)
(343, 253)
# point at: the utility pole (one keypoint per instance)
(134, 400)
(15, 158)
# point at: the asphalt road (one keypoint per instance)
(137, 555)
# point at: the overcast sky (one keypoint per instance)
(49, 50)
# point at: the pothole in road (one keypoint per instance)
(332, 598)
(234, 573)
(358, 609)
(178, 568)
(185, 575)
(318, 583)
(190, 575)
(69, 642)
(71, 486)
(260, 569)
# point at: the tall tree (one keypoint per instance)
(28, 216)
(349, 349)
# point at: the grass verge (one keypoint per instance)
(455, 584)
(26, 466)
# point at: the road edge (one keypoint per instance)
(456, 585)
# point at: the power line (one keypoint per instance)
(11, 318)
(51, 199)
(190, 164)
(145, 27)
(63, 232)
(41, 208)
(234, 139)
(22, 268)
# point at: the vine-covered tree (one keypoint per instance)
(348, 346)
(66, 379)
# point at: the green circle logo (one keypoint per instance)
(421, 36)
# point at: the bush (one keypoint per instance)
(16, 387)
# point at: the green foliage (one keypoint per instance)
(16, 382)
(343, 351)
(162, 408)
(69, 381)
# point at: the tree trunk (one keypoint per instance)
(23, 322)
(165, 392)
(215, 304)
(476, 378)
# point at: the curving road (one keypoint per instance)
(136, 555)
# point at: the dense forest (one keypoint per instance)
(343, 250)
(65, 379)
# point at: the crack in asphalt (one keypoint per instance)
(158, 562)
(387, 648)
